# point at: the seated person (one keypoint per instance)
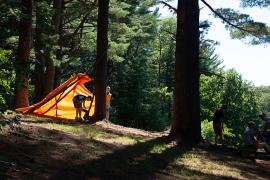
(79, 104)
(265, 129)
(250, 138)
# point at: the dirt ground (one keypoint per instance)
(40, 150)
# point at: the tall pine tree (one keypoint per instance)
(186, 121)
(101, 60)
(22, 62)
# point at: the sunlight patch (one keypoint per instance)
(208, 166)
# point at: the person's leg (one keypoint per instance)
(221, 138)
(265, 147)
(77, 114)
(107, 113)
(217, 132)
(80, 113)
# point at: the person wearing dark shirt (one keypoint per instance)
(218, 124)
(250, 139)
(264, 133)
(79, 104)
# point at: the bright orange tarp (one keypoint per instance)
(59, 104)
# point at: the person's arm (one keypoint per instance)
(83, 105)
(254, 137)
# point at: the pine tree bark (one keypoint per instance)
(101, 60)
(58, 29)
(186, 121)
(22, 62)
(50, 76)
(40, 56)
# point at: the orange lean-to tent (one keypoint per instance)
(59, 103)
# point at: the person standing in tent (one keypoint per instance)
(108, 102)
(79, 104)
(218, 124)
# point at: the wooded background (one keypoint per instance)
(45, 42)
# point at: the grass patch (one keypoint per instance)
(203, 163)
(107, 153)
(159, 148)
(85, 131)
(123, 140)
(92, 132)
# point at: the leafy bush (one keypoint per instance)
(3, 104)
(209, 134)
(239, 97)
(207, 131)
(6, 79)
(10, 121)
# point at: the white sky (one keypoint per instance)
(253, 62)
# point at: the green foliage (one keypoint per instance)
(140, 61)
(47, 44)
(6, 77)
(241, 102)
(9, 16)
(209, 61)
(3, 54)
(211, 90)
(239, 97)
(10, 122)
(263, 98)
(137, 99)
(3, 104)
(252, 3)
(256, 32)
(156, 109)
(208, 131)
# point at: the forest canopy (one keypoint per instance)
(141, 61)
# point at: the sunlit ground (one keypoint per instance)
(47, 149)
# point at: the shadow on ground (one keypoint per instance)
(136, 162)
(52, 154)
(248, 166)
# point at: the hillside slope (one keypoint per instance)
(41, 148)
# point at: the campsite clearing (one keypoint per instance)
(41, 148)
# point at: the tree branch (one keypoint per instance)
(66, 2)
(169, 6)
(170, 33)
(224, 19)
(209, 73)
(81, 24)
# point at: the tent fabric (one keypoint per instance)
(59, 102)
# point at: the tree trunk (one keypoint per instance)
(57, 77)
(22, 62)
(186, 121)
(45, 69)
(58, 29)
(57, 17)
(101, 60)
(49, 76)
(40, 56)
(50, 68)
